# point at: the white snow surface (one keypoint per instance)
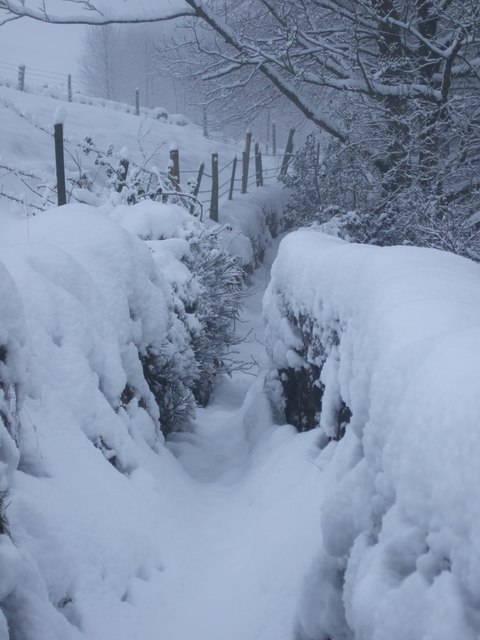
(242, 529)
(115, 534)
(397, 331)
(60, 114)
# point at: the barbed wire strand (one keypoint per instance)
(226, 166)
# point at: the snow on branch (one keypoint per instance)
(92, 16)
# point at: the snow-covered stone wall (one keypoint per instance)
(394, 335)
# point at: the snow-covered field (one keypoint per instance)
(396, 332)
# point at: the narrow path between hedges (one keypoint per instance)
(237, 564)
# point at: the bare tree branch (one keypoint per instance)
(92, 15)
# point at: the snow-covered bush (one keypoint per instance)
(208, 294)
(333, 188)
(391, 337)
(359, 197)
(12, 341)
(171, 383)
(13, 386)
(220, 277)
(304, 180)
(336, 188)
(84, 304)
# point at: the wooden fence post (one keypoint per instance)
(21, 77)
(246, 161)
(174, 168)
(232, 179)
(269, 115)
(258, 166)
(214, 198)
(287, 155)
(244, 172)
(274, 138)
(205, 123)
(201, 169)
(60, 164)
(69, 87)
(196, 188)
(137, 101)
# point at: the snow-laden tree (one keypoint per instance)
(191, 53)
(395, 82)
(393, 50)
(170, 63)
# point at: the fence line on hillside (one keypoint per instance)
(159, 186)
(61, 86)
(22, 77)
(217, 191)
(224, 183)
(231, 182)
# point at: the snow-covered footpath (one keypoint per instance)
(396, 334)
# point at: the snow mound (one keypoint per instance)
(251, 220)
(86, 310)
(395, 335)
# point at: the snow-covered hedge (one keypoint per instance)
(207, 285)
(394, 336)
(112, 323)
(82, 301)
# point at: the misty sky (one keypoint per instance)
(43, 46)
(56, 48)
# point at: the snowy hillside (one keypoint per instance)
(393, 334)
(96, 139)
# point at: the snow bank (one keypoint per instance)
(252, 219)
(86, 311)
(395, 336)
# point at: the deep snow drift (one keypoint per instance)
(396, 332)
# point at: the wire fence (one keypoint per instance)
(60, 86)
(237, 175)
(34, 79)
(240, 174)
